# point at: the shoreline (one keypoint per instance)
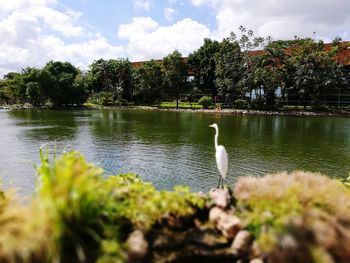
(251, 112)
(210, 111)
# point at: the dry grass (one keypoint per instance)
(299, 216)
(25, 231)
(307, 189)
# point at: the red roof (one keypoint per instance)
(343, 57)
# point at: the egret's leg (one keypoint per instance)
(219, 183)
(222, 181)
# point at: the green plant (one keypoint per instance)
(102, 98)
(258, 103)
(121, 102)
(206, 102)
(92, 215)
(241, 104)
(273, 206)
(345, 181)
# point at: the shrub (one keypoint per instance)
(206, 102)
(284, 204)
(102, 98)
(258, 103)
(121, 102)
(241, 104)
(90, 215)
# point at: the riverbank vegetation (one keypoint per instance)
(233, 72)
(78, 214)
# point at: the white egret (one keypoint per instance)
(220, 155)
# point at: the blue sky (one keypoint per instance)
(32, 32)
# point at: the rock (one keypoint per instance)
(288, 249)
(137, 246)
(229, 225)
(174, 222)
(288, 242)
(215, 214)
(256, 260)
(205, 244)
(241, 243)
(255, 251)
(167, 240)
(225, 221)
(325, 234)
(209, 237)
(221, 197)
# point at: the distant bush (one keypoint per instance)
(206, 102)
(320, 108)
(241, 104)
(121, 102)
(258, 103)
(102, 98)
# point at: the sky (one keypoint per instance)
(33, 32)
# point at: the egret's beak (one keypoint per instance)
(211, 125)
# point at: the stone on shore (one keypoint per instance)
(220, 197)
(241, 243)
(137, 246)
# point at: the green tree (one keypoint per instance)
(5, 92)
(15, 87)
(115, 76)
(34, 88)
(248, 43)
(122, 81)
(202, 65)
(228, 70)
(175, 75)
(148, 82)
(101, 75)
(58, 80)
(314, 71)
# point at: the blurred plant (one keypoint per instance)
(206, 102)
(287, 204)
(346, 181)
(241, 104)
(92, 215)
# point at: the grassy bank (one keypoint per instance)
(195, 107)
(79, 215)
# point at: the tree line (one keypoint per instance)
(244, 72)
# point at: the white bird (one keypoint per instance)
(221, 156)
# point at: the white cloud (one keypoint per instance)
(32, 32)
(142, 4)
(7, 7)
(138, 26)
(281, 19)
(169, 13)
(148, 40)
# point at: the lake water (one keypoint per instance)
(170, 148)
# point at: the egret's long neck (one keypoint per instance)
(216, 137)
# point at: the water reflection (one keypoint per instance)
(170, 148)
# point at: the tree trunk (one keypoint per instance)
(339, 95)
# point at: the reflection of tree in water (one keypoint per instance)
(288, 143)
(167, 128)
(45, 125)
(170, 148)
(166, 148)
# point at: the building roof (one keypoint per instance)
(343, 57)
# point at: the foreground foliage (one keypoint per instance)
(77, 214)
(299, 216)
